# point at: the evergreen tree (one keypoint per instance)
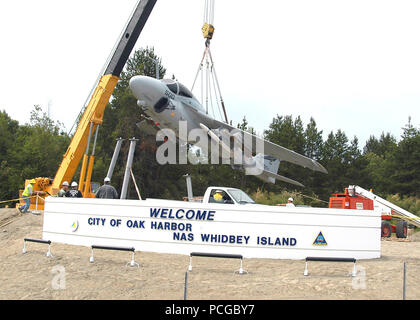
(287, 133)
(120, 120)
(29, 151)
(383, 147)
(313, 141)
(335, 157)
(405, 170)
(244, 126)
(378, 155)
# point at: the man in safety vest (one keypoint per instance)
(27, 193)
(64, 189)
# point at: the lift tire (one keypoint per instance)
(386, 229)
(401, 229)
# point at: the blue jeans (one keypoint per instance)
(25, 207)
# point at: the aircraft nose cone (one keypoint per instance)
(146, 88)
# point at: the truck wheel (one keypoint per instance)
(386, 229)
(401, 229)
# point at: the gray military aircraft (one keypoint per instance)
(167, 103)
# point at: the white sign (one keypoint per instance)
(254, 231)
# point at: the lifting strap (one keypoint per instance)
(209, 81)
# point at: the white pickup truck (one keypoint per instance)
(223, 195)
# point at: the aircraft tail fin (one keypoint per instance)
(269, 173)
(271, 164)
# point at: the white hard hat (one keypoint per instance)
(290, 199)
(107, 179)
(74, 184)
(65, 183)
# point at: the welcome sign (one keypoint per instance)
(254, 231)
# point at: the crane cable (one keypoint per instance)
(208, 12)
(210, 76)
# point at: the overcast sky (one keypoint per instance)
(352, 65)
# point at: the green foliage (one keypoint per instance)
(275, 198)
(313, 141)
(141, 62)
(244, 126)
(287, 133)
(29, 151)
(386, 165)
(280, 198)
(409, 203)
(404, 163)
(383, 147)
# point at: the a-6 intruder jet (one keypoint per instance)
(169, 103)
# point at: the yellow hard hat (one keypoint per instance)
(32, 181)
(217, 197)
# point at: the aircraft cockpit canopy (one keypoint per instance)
(177, 88)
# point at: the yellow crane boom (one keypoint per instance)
(93, 114)
(91, 118)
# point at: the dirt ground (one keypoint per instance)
(70, 275)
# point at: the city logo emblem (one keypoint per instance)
(75, 226)
(320, 240)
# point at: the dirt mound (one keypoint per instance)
(415, 237)
(70, 275)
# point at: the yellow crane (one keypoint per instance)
(94, 111)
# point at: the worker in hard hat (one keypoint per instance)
(64, 189)
(26, 195)
(218, 196)
(290, 202)
(73, 192)
(106, 191)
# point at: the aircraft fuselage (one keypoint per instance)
(168, 102)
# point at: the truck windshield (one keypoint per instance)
(240, 196)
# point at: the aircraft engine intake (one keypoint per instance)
(161, 105)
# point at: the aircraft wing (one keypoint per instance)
(273, 149)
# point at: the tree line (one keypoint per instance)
(389, 166)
